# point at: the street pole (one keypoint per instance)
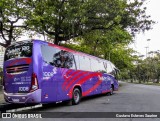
(148, 44)
(146, 52)
(148, 76)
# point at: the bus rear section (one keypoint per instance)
(20, 82)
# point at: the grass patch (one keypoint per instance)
(146, 83)
(151, 83)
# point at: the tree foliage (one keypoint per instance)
(63, 20)
(149, 69)
(144, 70)
(66, 19)
(12, 14)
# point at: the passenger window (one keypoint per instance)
(76, 57)
(115, 70)
(57, 57)
(48, 52)
(109, 68)
(101, 67)
(97, 66)
(63, 59)
(85, 63)
(94, 65)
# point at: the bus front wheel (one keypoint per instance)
(111, 89)
(76, 96)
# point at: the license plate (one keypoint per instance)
(15, 100)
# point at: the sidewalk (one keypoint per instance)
(1, 95)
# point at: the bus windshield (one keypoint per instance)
(18, 51)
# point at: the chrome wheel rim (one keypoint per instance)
(76, 96)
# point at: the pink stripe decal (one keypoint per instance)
(75, 78)
(88, 77)
(28, 61)
(92, 88)
(67, 77)
(84, 80)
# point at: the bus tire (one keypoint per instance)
(76, 96)
(111, 90)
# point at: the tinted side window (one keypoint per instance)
(57, 57)
(85, 63)
(94, 65)
(109, 68)
(101, 67)
(115, 70)
(48, 52)
(76, 57)
(97, 66)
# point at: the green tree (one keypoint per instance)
(12, 14)
(149, 68)
(66, 19)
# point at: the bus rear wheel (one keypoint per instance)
(76, 97)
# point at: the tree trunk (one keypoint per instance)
(95, 47)
(157, 79)
(139, 81)
(56, 41)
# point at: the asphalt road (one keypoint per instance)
(129, 98)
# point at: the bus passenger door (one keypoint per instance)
(49, 83)
(62, 92)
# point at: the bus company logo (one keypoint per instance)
(54, 70)
(48, 75)
(16, 79)
(23, 89)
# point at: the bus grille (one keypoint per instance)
(18, 69)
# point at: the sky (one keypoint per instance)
(140, 44)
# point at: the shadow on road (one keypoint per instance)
(68, 103)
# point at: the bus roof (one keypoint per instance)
(57, 46)
(70, 50)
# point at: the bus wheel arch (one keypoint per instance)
(76, 95)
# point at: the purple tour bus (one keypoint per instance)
(40, 72)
